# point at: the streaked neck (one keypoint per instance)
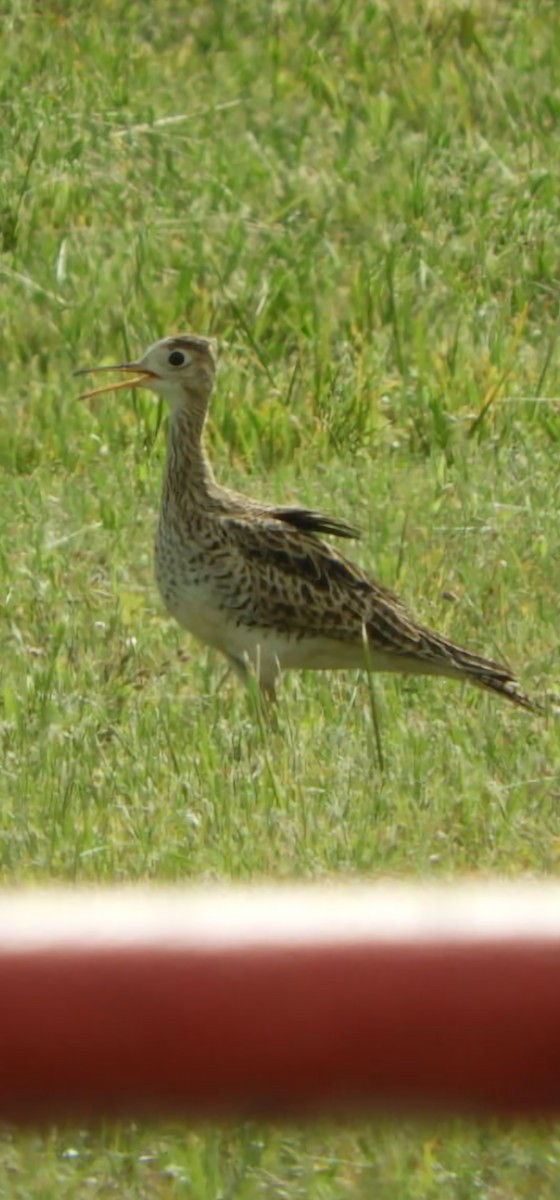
(189, 479)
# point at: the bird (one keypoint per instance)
(258, 582)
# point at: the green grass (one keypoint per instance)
(362, 202)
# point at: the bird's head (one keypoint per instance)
(177, 368)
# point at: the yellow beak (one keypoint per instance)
(141, 375)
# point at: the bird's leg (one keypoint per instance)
(268, 694)
(266, 707)
(223, 679)
(262, 690)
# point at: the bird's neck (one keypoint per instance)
(189, 479)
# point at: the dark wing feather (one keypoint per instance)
(310, 521)
(302, 585)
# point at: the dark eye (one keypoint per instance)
(176, 359)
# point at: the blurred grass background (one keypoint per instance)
(361, 202)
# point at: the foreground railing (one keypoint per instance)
(279, 1002)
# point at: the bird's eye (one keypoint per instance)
(176, 358)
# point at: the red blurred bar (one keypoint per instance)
(280, 1002)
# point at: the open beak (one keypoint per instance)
(141, 374)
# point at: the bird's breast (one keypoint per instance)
(185, 575)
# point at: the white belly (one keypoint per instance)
(194, 607)
(265, 650)
(268, 652)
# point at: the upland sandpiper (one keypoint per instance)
(257, 582)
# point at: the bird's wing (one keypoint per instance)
(293, 582)
(310, 521)
(306, 520)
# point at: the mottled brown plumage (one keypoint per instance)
(256, 581)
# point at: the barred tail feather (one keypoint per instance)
(495, 682)
(483, 672)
